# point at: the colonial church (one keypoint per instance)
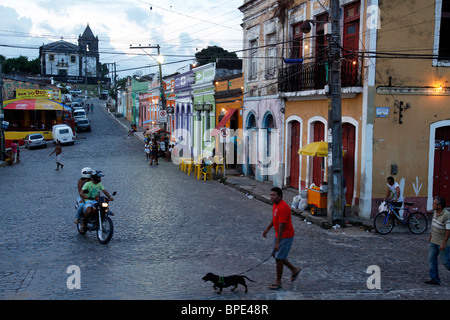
(67, 62)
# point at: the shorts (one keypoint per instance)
(58, 158)
(284, 248)
(89, 203)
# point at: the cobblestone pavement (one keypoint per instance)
(171, 229)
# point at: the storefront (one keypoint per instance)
(27, 116)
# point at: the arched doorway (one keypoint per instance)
(268, 125)
(294, 161)
(318, 163)
(251, 143)
(441, 172)
(349, 145)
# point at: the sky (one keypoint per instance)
(180, 27)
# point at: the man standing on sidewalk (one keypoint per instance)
(284, 235)
(439, 245)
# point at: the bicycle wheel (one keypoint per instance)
(383, 222)
(417, 222)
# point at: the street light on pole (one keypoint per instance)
(160, 59)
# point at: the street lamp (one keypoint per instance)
(160, 59)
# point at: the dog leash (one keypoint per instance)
(271, 255)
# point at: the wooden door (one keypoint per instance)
(348, 145)
(441, 176)
(319, 134)
(295, 157)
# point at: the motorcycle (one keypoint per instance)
(99, 220)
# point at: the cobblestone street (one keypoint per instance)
(171, 229)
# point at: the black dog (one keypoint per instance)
(224, 282)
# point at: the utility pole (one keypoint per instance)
(161, 84)
(335, 158)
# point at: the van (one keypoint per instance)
(79, 114)
(63, 133)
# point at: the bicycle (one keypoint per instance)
(384, 221)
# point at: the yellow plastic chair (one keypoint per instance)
(188, 166)
(219, 164)
(208, 172)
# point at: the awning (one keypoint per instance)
(223, 122)
(33, 104)
(155, 130)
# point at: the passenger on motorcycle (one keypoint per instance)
(90, 191)
(85, 177)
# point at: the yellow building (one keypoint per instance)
(411, 110)
(394, 90)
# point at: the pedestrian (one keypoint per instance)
(154, 152)
(92, 108)
(58, 151)
(147, 149)
(439, 244)
(284, 236)
(14, 150)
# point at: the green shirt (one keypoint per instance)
(439, 226)
(94, 189)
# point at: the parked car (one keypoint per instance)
(34, 140)
(75, 91)
(79, 114)
(63, 133)
(83, 124)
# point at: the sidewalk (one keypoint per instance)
(124, 122)
(260, 190)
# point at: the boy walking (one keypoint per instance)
(58, 150)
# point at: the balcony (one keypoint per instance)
(314, 76)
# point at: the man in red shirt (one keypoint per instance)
(284, 235)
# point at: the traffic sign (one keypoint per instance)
(224, 135)
(162, 115)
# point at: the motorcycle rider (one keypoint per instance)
(90, 191)
(85, 177)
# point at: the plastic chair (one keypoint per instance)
(206, 173)
(219, 164)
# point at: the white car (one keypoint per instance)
(76, 91)
(63, 133)
(79, 114)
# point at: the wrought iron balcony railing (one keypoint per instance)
(314, 76)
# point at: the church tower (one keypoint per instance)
(90, 58)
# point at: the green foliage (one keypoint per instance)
(210, 54)
(21, 64)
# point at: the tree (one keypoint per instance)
(21, 64)
(210, 54)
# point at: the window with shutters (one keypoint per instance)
(321, 39)
(350, 55)
(442, 33)
(271, 58)
(253, 64)
(297, 42)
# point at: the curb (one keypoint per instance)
(323, 223)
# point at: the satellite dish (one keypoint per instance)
(138, 73)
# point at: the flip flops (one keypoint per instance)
(275, 287)
(294, 276)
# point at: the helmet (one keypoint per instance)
(86, 172)
(97, 174)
